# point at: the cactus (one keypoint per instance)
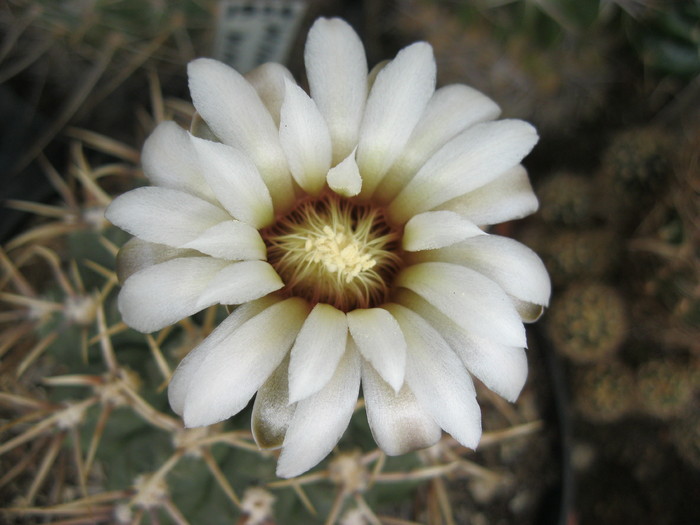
(87, 435)
(665, 388)
(635, 167)
(604, 392)
(665, 247)
(566, 200)
(574, 255)
(84, 404)
(588, 322)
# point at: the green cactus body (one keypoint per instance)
(604, 392)
(665, 388)
(566, 200)
(572, 255)
(588, 322)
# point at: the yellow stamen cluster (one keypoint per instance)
(339, 253)
(332, 251)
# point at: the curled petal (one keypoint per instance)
(344, 178)
(529, 312)
(320, 420)
(398, 422)
(437, 229)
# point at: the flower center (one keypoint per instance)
(339, 252)
(332, 251)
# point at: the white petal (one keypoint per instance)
(268, 80)
(471, 300)
(450, 110)
(169, 160)
(320, 420)
(234, 369)
(344, 178)
(438, 379)
(272, 412)
(394, 106)
(233, 240)
(472, 159)
(235, 113)
(398, 422)
(240, 282)
(158, 296)
(236, 182)
(529, 312)
(376, 68)
(182, 378)
(510, 264)
(199, 128)
(507, 198)
(136, 255)
(337, 71)
(379, 339)
(435, 229)
(501, 368)
(305, 139)
(317, 350)
(163, 216)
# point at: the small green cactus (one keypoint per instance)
(634, 169)
(665, 388)
(566, 200)
(637, 159)
(588, 322)
(574, 255)
(604, 393)
(665, 247)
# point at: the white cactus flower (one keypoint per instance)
(344, 225)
